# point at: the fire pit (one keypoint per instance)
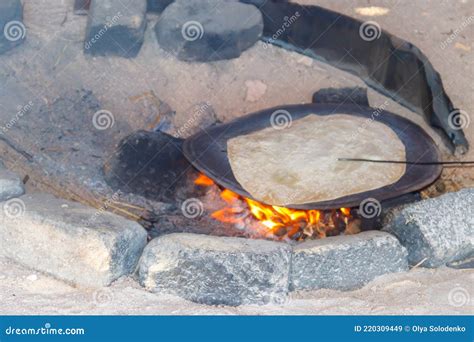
(207, 151)
(165, 205)
(303, 247)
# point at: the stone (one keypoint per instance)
(149, 164)
(216, 270)
(74, 243)
(12, 29)
(115, 27)
(208, 30)
(438, 230)
(346, 262)
(11, 185)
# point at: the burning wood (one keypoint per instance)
(280, 223)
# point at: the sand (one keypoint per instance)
(418, 292)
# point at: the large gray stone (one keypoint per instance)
(69, 241)
(216, 270)
(208, 30)
(438, 230)
(12, 29)
(115, 27)
(345, 262)
(10, 185)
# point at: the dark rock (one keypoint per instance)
(346, 262)
(70, 241)
(440, 230)
(12, 29)
(352, 96)
(115, 27)
(157, 6)
(377, 222)
(216, 270)
(208, 30)
(150, 164)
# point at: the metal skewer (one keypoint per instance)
(408, 162)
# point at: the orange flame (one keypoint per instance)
(203, 180)
(271, 216)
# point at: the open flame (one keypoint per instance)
(281, 222)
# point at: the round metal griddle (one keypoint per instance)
(207, 151)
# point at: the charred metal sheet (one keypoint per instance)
(207, 151)
(390, 65)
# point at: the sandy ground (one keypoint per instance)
(51, 63)
(420, 291)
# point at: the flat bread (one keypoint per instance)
(299, 164)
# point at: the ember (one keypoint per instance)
(280, 223)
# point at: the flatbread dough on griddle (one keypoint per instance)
(299, 164)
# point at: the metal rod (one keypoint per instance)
(408, 162)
